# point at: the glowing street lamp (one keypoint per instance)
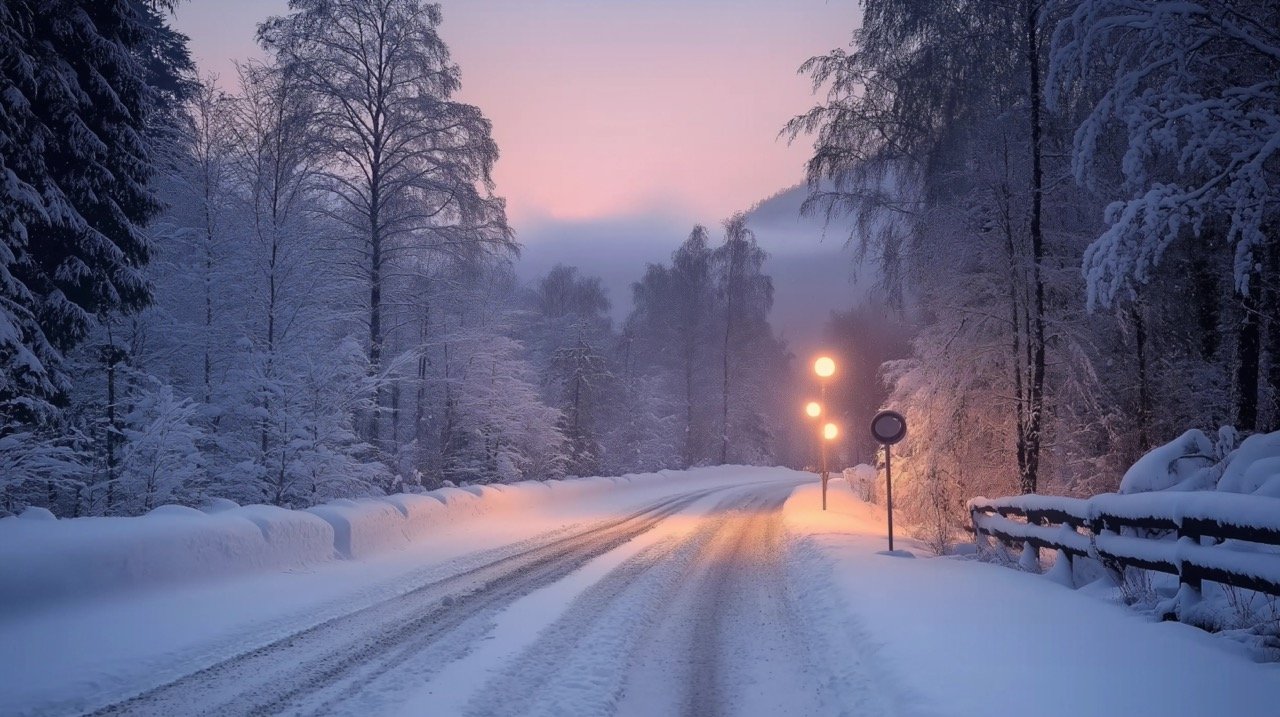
(813, 409)
(829, 433)
(825, 367)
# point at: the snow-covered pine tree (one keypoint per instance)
(160, 459)
(571, 336)
(672, 336)
(498, 429)
(87, 84)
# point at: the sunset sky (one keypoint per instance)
(606, 109)
(622, 123)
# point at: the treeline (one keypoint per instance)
(296, 284)
(1076, 203)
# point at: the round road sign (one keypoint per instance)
(888, 427)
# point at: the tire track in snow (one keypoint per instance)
(702, 626)
(579, 663)
(332, 661)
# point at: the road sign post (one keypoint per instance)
(829, 433)
(888, 427)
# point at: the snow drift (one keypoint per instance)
(43, 559)
(1193, 462)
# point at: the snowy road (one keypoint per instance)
(695, 625)
(724, 591)
(689, 616)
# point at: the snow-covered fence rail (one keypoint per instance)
(1196, 536)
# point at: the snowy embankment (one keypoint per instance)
(949, 636)
(44, 560)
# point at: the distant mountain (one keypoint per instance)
(813, 272)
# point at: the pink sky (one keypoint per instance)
(613, 108)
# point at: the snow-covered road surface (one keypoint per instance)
(699, 623)
(718, 592)
(361, 661)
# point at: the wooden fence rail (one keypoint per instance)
(1181, 534)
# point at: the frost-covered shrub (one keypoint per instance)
(32, 464)
(936, 504)
(159, 456)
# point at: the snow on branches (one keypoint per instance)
(1194, 88)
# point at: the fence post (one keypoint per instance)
(1188, 584)
(1192, 538)
(979, 538)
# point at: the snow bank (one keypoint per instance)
(862, 479)
(43, 559)
(362, 527)
(366, 527)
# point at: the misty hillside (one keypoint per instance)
(813, 271)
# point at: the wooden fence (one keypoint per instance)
(1183, 534)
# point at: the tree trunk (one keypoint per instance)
(688, 408)
(112, 357)
(1017, 323)
(1271, 298)
(1144, 382)
(1035, 419)
(420, 407)
(375, 317)
(1248, 345)
(728, 332)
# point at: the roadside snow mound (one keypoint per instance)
(44, 559)
(862, 479)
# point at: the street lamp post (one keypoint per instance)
(813, 410)
(829, 433)
(825, 367)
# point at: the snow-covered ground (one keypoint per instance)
(717, 591)
(963, 637)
